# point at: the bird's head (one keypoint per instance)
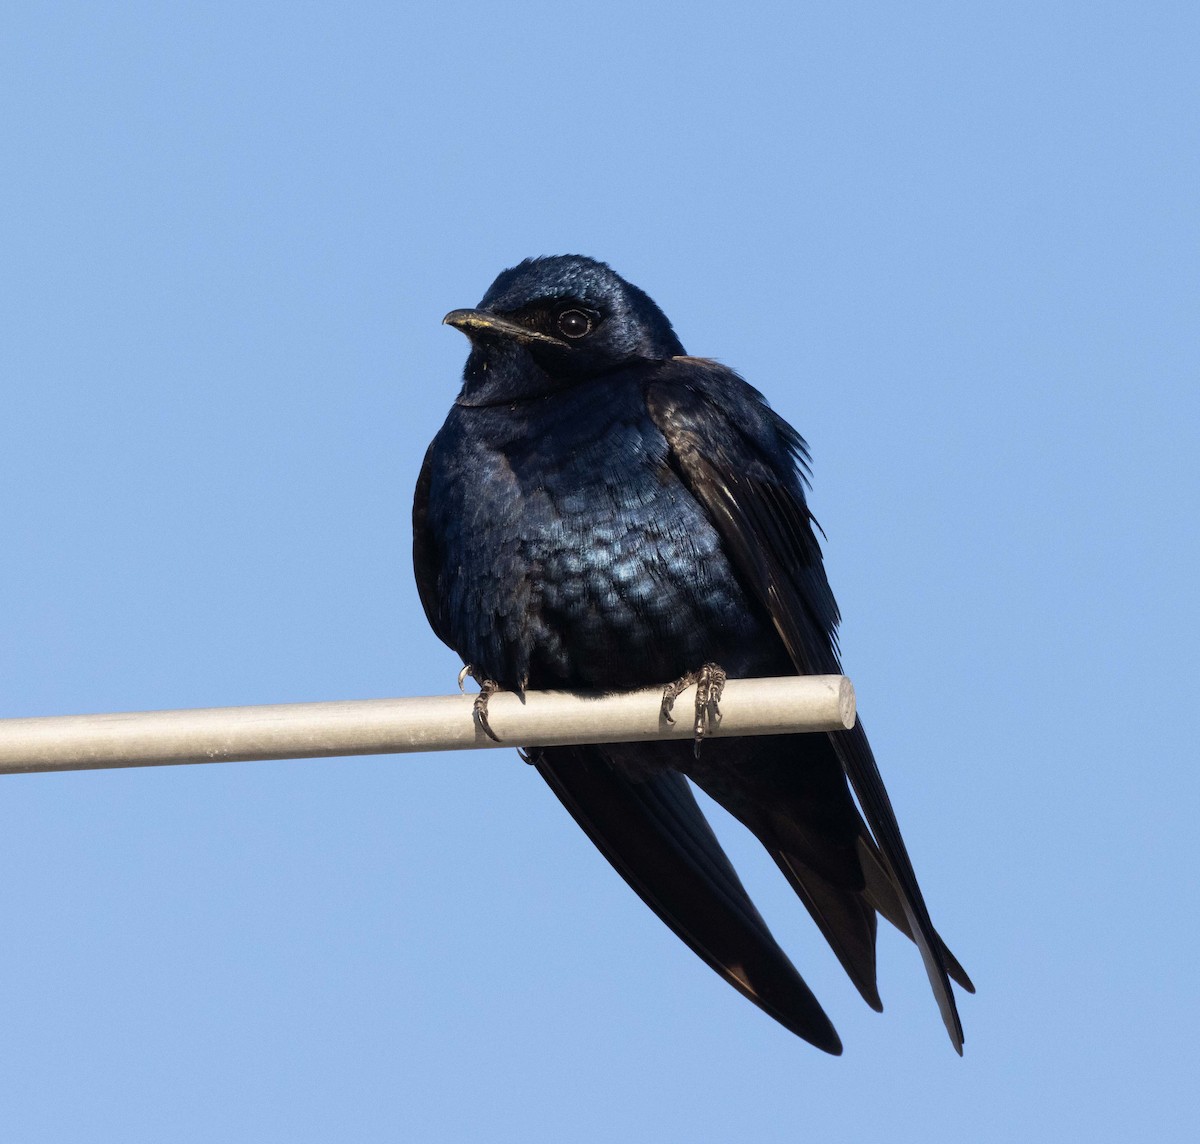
(550, 322)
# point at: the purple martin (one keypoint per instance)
(602, 512)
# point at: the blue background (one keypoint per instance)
(956, 244)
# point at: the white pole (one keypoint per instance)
(434, 723)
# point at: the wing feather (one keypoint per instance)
(739, 460)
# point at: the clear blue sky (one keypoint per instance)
(956, 244)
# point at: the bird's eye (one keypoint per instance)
(575, 323)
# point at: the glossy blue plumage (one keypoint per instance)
(601, 511)
(579, 557)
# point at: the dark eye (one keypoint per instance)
(575, 323)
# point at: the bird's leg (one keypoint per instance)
(672, 692)
(710, 682)
(709, 689)
(487, 688)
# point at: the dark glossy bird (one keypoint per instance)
(601, 511)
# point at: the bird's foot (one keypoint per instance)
(487, 688)
(710, 683)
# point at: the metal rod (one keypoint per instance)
(433, 723)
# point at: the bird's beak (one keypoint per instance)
(475, 322)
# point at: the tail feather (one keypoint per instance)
(658, 840)
(845, 918)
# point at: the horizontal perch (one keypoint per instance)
(387, 726)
